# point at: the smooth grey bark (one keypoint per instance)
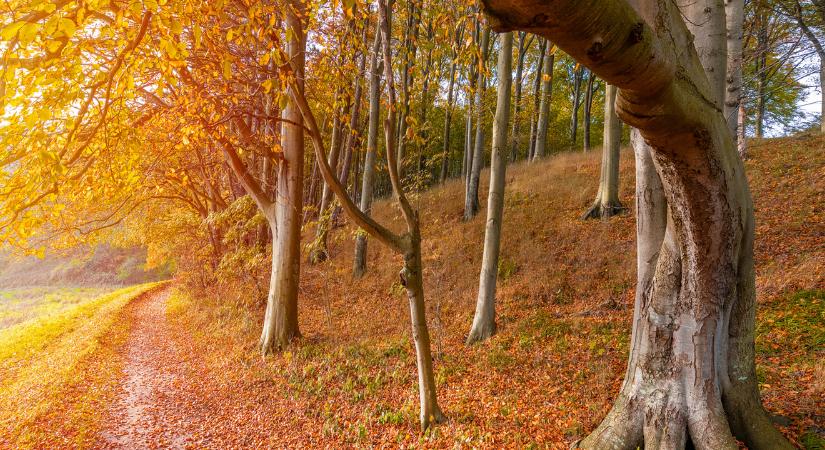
(359, 265)
(281, 316)
(471, 195)
(537, 81)
(734, 20)
(705, 19)
(741, 138)
(484, 321)
(544, 105)
(607, 202)
(691, 375)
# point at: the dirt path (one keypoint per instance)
(147, 412)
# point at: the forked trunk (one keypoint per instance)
(484, 321)
(607, 202)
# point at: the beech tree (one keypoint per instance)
(691, 373)
(476, 161)
(408, 244)
(546, 74)
(607, 202)
(484, 322)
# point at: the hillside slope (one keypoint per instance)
(564, 309)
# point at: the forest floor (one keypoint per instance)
(180, 368)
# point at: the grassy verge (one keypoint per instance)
(52, 368)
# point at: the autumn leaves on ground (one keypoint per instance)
(157, 365)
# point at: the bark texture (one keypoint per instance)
(484, 321)
(691, 373)
(281, 316)
(734, 18)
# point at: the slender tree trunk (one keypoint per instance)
(741, 140)
(734, 18)
(514, 133)
(607, 202)
(281, 317)
(319, 251)
(471, 198)
(691, 375)
(577, 95)
(484, 322)
(588, 106)
(448, 115)
(359, 265)
(544, 106)
(537, 82)
(410, 49)
(761, 74)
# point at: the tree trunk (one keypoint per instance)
(484, 322)
(471, 197)
(607, 202)
(691, 374)
(319, 251)
(705, 19)
(544, 105)
(281, 317)
(741, 139)
(531, 151)
(588, 106)
(761, 74)
(412, 280)
(448, 115)
(359, 265)
(734, 18)
(577, 95)
(410, 49)
(514, 133)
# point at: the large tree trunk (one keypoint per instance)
(544, 105)
(607, 199)
(734, 17)
(471, 197)
(484, 322)
(531, 150)
(281, 317)
(691, 374)
(359, 265)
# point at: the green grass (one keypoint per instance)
(39, 357)
(19, 305)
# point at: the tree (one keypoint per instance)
(544, 103)
(523, 46)
(537, 83)
(810, 16)
(734, 22)
(607, 202)
(477, 155)
(484, 322)
(359, 265)
(408, 244)
(691, 374)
